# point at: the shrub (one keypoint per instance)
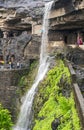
(5, 119)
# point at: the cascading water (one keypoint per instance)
(24, 119)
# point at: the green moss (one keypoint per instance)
(51, 103)
(26, 81)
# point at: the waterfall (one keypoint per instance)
(24, 119)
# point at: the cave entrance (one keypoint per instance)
(70, 37)
(65, 39)
(1, 60)
(82, 35)
(1, 57)
(32, 61)
(12, 58)
(1, 34)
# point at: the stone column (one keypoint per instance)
(5, 34)
(5, 39)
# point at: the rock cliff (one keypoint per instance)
(21, 26)
(66, 20)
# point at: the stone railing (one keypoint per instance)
(77, 95)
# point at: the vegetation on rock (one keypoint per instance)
(54, 106)
(26, 81)
(5, 119)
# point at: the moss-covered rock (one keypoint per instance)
(25, 83)
(27, 80)
(52, 103)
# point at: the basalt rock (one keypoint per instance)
(75, 55)
(16, 18)
(21, 26)
(55, 124)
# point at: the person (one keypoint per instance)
(10, 64)
(80, 41)
(18, 65)
(7, 58)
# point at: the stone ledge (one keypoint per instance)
(75, 46)
(13, 70)
(79, 100)
(73, 74)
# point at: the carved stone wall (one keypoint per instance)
(9, 96)
(32, 50)
(67, 21)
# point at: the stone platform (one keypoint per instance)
(75, 46)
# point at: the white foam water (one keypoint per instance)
(24, 119)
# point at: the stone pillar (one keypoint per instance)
(36, 29)
(14, 34)
(5, 34)
(32, 28)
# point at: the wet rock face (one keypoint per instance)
(15, 46)
(32, 50)
(24, 47)
(76, 56)
(16, 17)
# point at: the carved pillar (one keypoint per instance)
(14, 34)
(5, 34)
